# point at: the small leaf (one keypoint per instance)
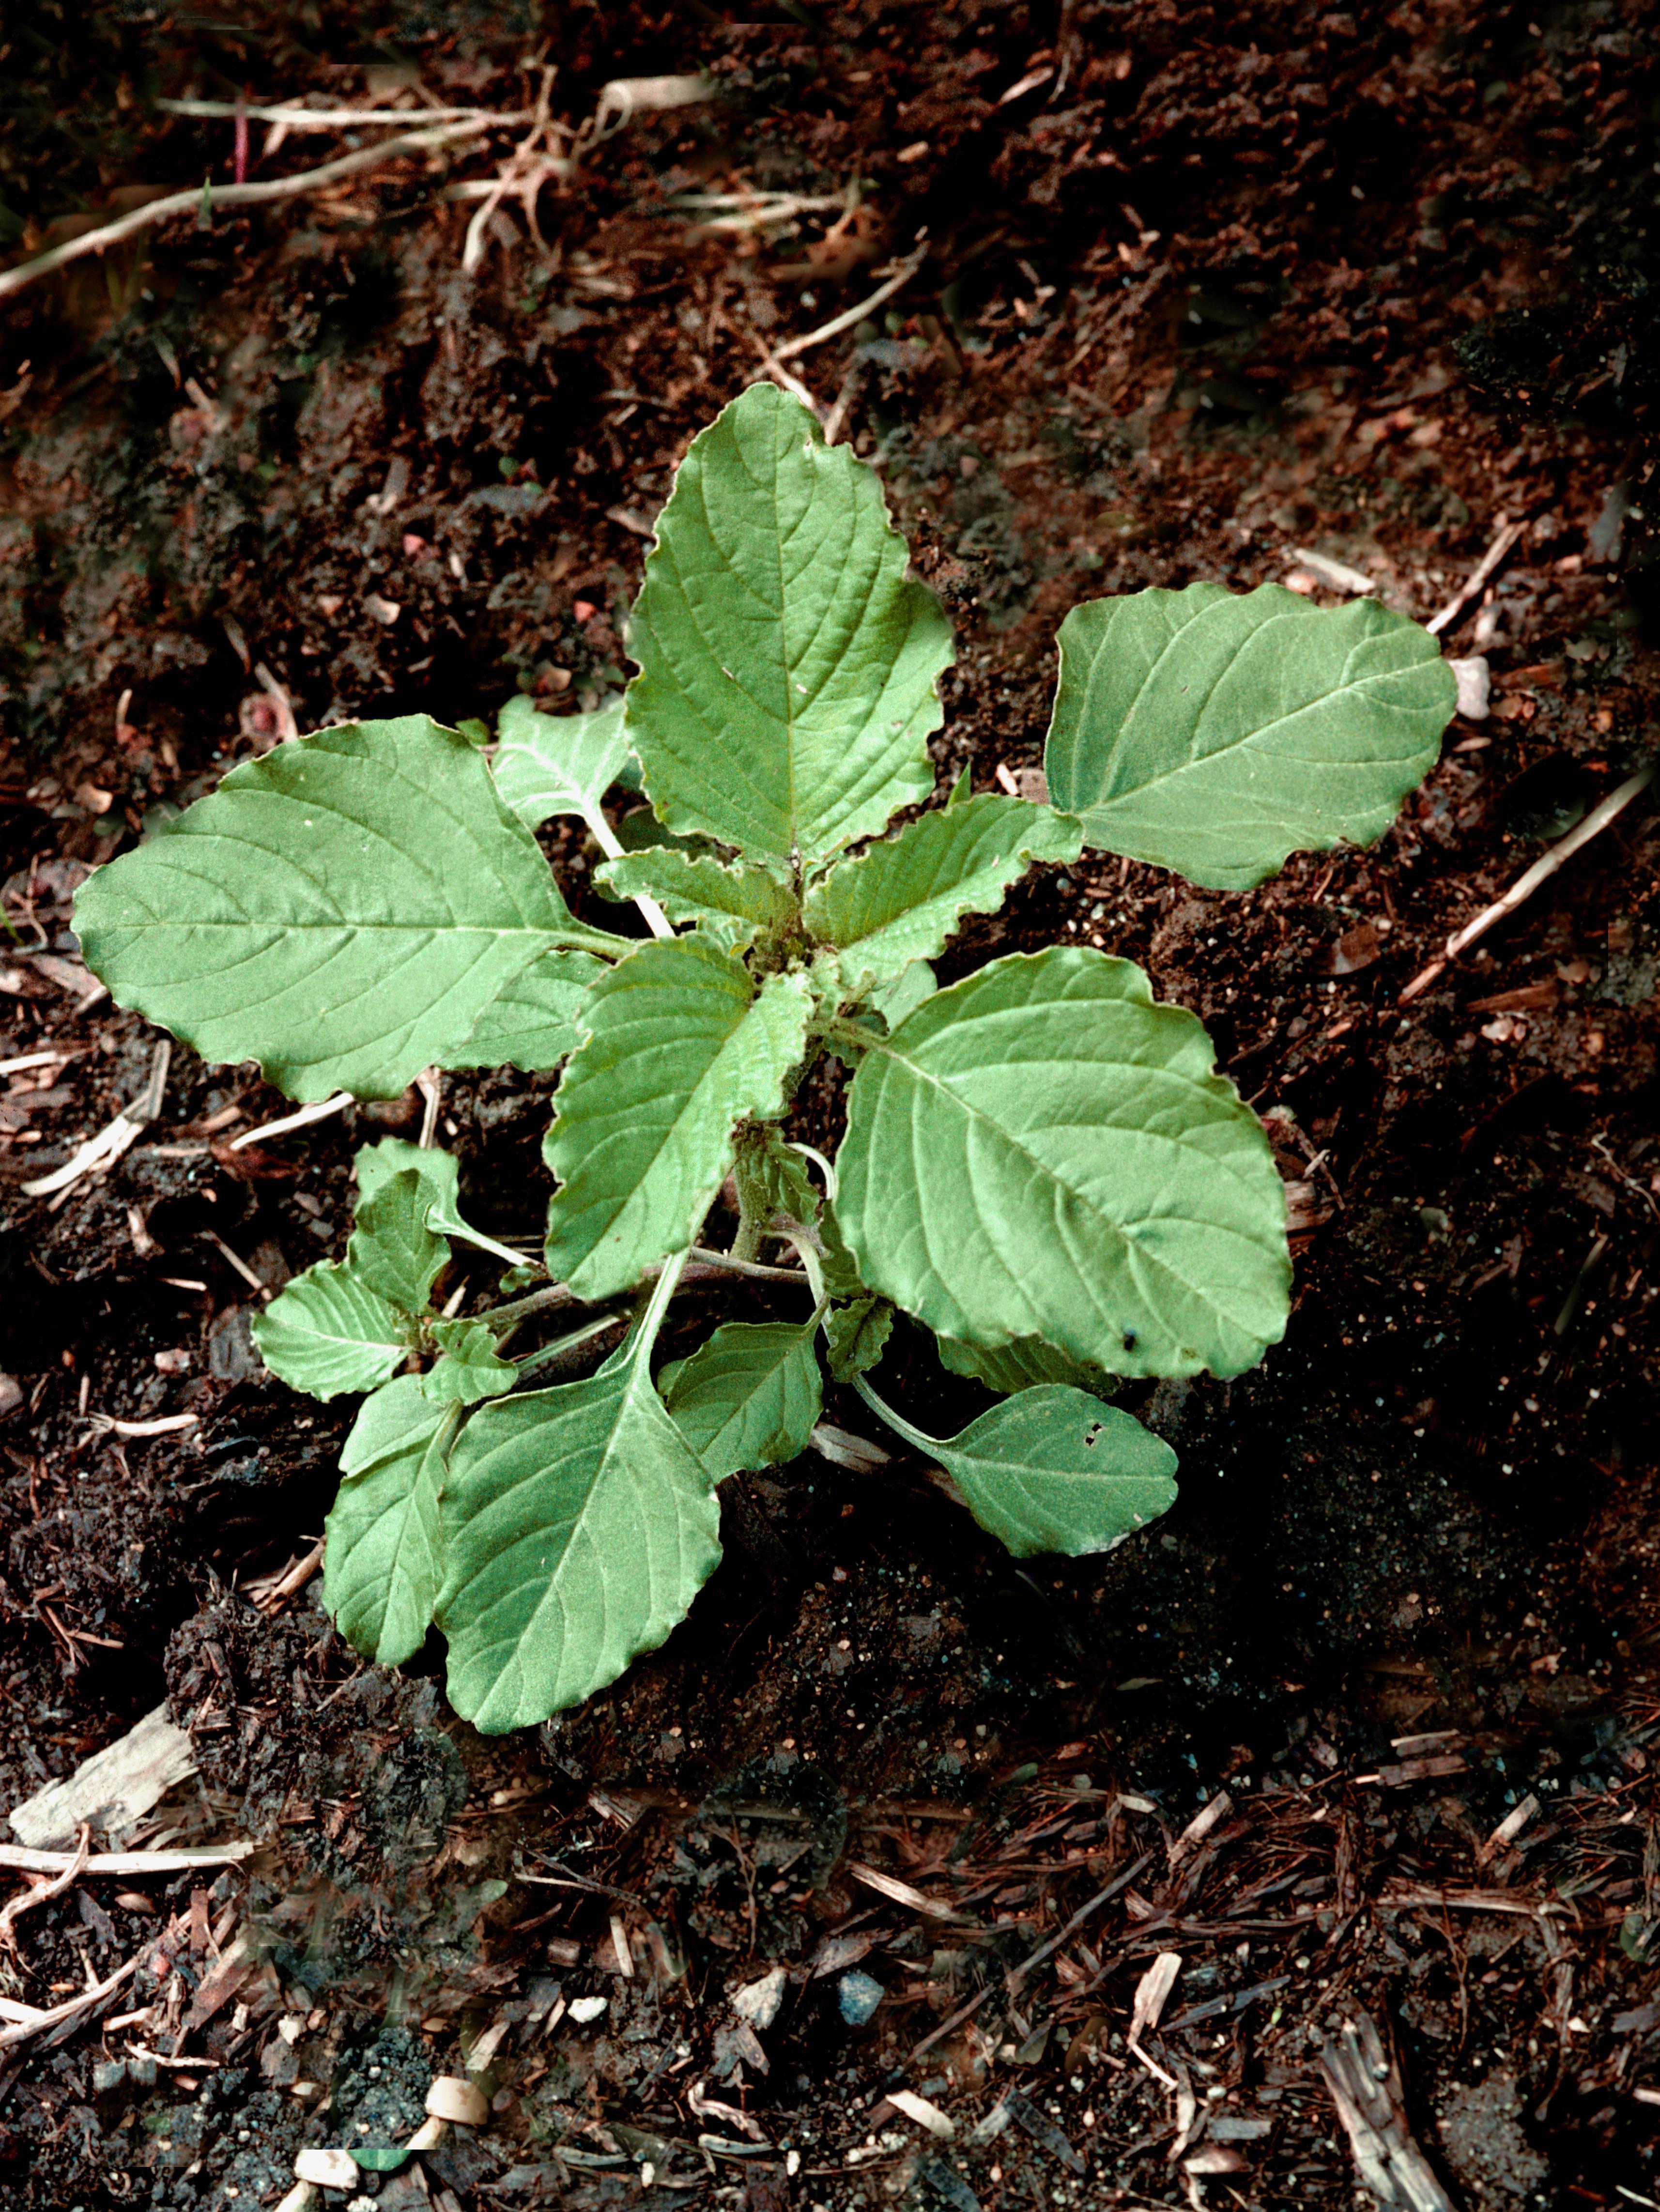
(1215, 732)
(381, 1560)
(342, 910)
(681, 1046)
(1041, 1151)
(901, 900)
(535, 1021)
(904, 992)
(748, 1397)
(578, 1526)
(1017, 1366)
(857, 1336)
(549, 764)
(1052, 1469)
(328, 1333)
(730, 906)
(375, 1165)
(841, 1269)
(469, 1368)
(390, 1421)
(392, 1252)
(787, 1181)
(788, 670)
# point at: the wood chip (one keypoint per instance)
(458, 2100)
(924, 2114)
(1365, 2088)
(889, 1886)
(111, 1789)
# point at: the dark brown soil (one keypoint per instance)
(1222, 286)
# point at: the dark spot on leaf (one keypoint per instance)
(1129, 1339)
(1092, 1432)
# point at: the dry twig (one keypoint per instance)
(212, 196)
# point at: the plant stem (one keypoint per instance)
(605, 838)
(754, 1207)
(564, 1347)
(900, 1426)
(552, 1295)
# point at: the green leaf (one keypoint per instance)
(788, 669)
(857, 1336)
(342, 910)
(901, 900)
(681, 1046)
(392, 1252)
(535, 1021)
(549, 764)
(380, 1559)
(748, 1397)
(469, 1368)
(731, 907)
(1052, 1469)
(375, 1166)
(1017, 1366)
(841, 1269)
(1214, 731)
(1041, 1151)
(902, 993)
(328, 1333)
(578, 1526)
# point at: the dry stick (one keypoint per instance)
(335, 118)
(26, 2030)
(1540, 872)
(1017, 1974)
(14, 1858)
(849, 316)
(276, 188)
(317, 1112)
(1504, 539)
(63, 1875)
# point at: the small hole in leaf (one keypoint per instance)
(1092, 1432)
(1129, 1339)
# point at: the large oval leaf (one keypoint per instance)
(1041, 1151)
(578, 1526)
(1214, 731)
(788, 669)
(342, 910)
(681, 1045)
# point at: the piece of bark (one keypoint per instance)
(1365, 2088)
(110, 1790)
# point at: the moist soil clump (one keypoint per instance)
(905, 1871)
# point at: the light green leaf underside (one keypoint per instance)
(341, 910)
(578, 1526)
(375, 1165)
(856, 1336)
(1052, 1469)
(535, 1021)
(549, 764)
(328, 1333)
(748, 1397)
(469, 1368)
(380, 1557)
(730, 906)
(1017, 1365)
(681, 1046)
(1041, 1151)
(788, 669)
(901, 900)
(390, 1420)
(392, 1252)
(1215, 732)
(902, 993)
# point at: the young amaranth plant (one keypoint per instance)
(1040, 1163)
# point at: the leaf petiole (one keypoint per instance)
(896, 1422)
(564, 1347)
